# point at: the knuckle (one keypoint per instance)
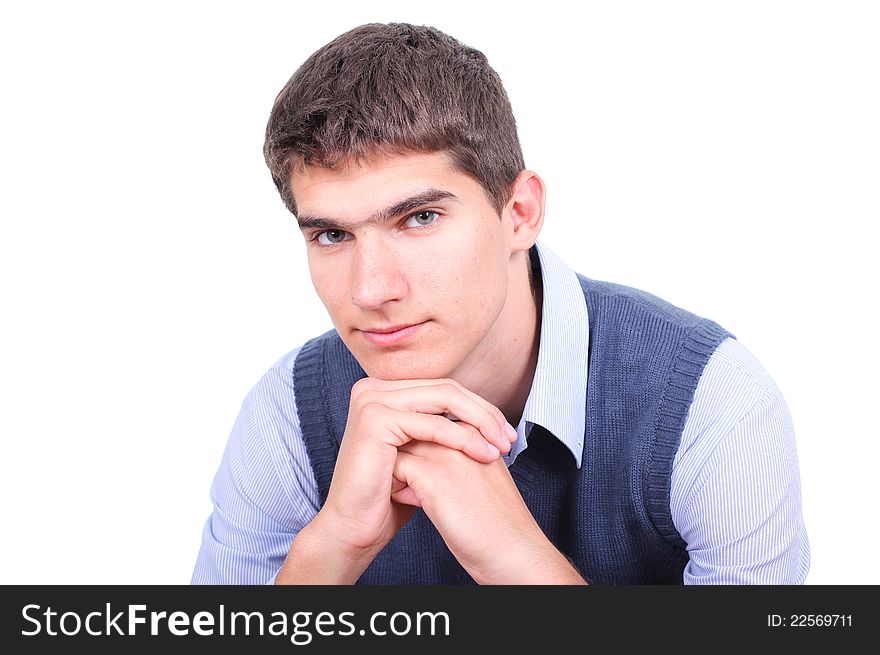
(362, 385)
(371, 410)
(448, 386)
(438, 429)
(364, 395)
(473, 432)
(368, 397)
(463, 434)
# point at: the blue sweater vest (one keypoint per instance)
(611, 517)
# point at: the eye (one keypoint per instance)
(332, 237)
(422, 218)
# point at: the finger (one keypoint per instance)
(393, 385)
(406, 469)
(396, 485)
(409, 467)
(402, 493)
(403, 426)
(452, 400)
(406, 496)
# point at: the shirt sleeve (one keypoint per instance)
(735, 493)
(264, 492)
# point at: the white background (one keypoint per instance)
(725, 156)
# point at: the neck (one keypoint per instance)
(503, 373)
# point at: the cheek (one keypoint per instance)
(328, 285)
(486, 260)
(470, 274)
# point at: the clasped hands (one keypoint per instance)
(400, 452)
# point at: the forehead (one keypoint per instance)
(372, 184)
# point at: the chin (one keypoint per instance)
(404, 367)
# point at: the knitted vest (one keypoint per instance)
(611, 517)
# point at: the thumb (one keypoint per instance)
(405, 474)
(403, 493)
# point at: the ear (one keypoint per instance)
(525, 210)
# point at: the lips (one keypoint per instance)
(390, 335)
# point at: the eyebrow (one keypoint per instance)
(426, 197)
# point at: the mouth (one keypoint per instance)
(390, 335)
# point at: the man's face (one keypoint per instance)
(407, 244)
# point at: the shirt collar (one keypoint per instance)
(557, 398)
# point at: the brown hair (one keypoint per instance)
(391, 89)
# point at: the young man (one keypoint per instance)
(481, 413)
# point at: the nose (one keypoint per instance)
(377, 277)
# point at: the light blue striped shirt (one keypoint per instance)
(735, 489)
